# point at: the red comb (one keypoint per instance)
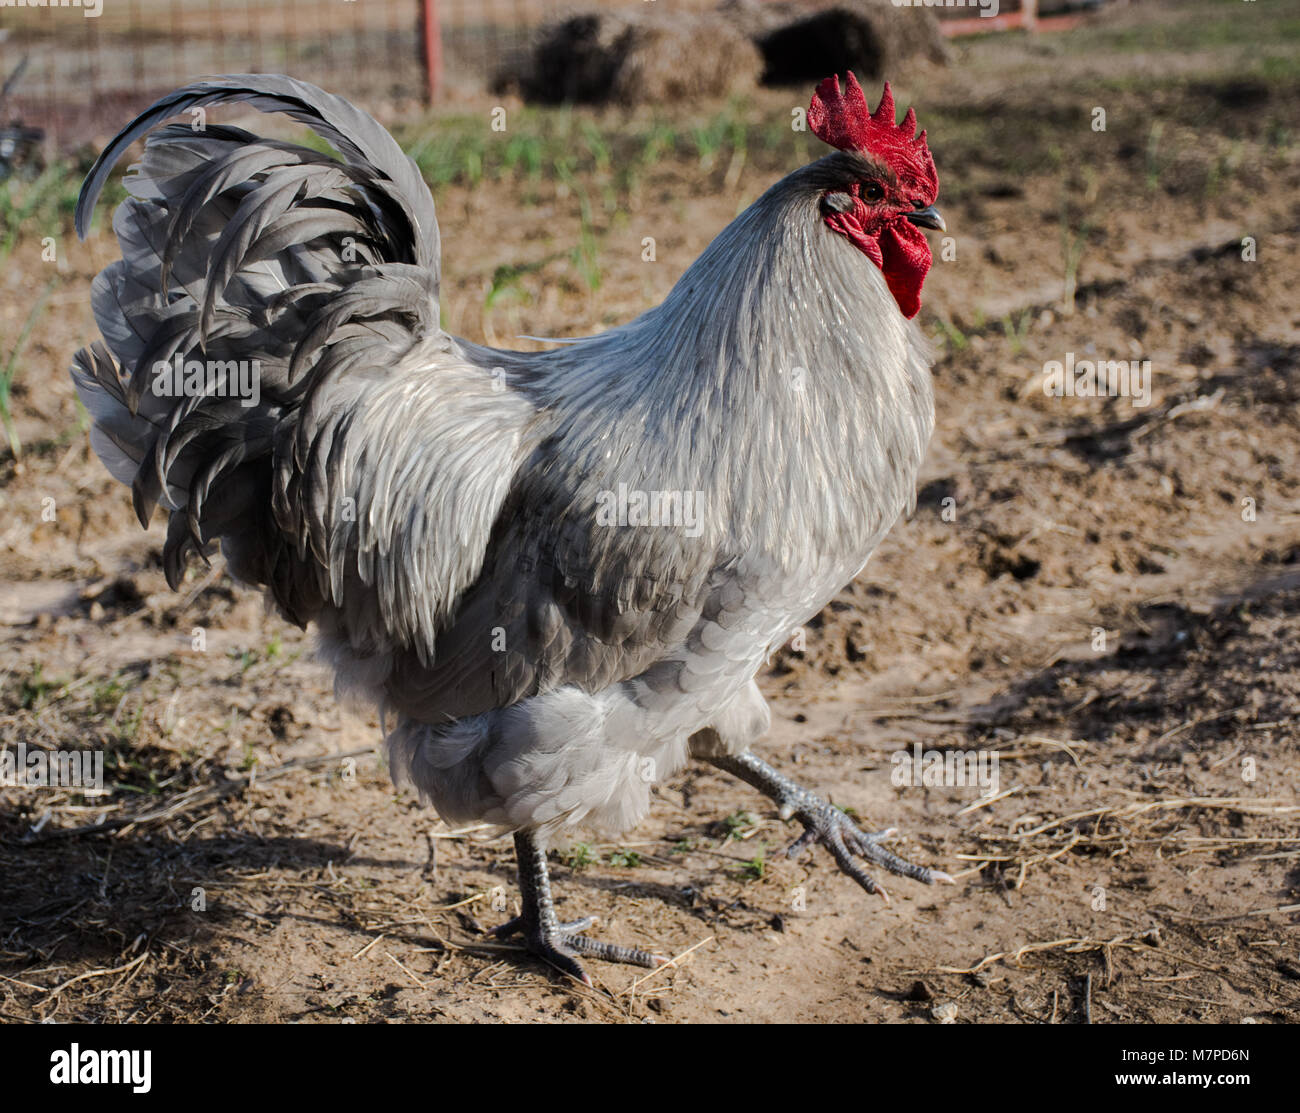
(843, 120)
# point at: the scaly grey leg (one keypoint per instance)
(543, 934)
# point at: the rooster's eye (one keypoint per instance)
(872, 192)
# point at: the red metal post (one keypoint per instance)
(431, 39)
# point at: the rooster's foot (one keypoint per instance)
(825, 824)
(560, 944)
(544, 936)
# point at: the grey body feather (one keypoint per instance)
(435, 505)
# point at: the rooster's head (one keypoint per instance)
(885, 189)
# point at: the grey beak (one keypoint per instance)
(928, 218)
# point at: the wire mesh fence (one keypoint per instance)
(87, 64)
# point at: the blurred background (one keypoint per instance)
(84, 74)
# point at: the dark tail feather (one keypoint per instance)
(242, 252)
(360, 138)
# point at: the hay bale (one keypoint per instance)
(637, 57)
(804, 40)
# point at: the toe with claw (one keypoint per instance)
(824, 823)
(560, 944)
(850, 846)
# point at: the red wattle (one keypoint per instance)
(905, 261)
(899, 249)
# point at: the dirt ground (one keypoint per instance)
(1104, 595)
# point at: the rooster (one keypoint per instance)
(274, 375)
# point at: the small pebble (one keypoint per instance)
(945, 1014)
